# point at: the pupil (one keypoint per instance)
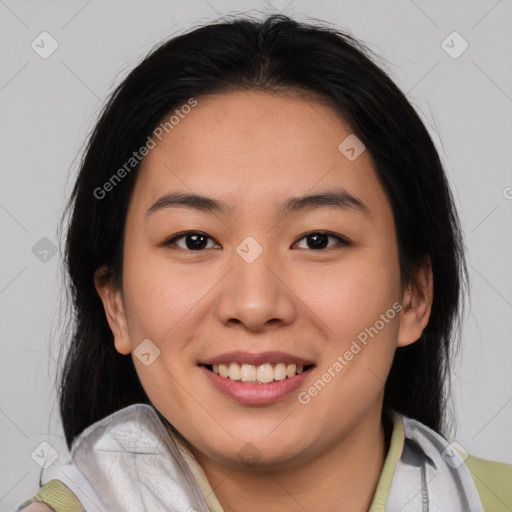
(319, 241)
(198, 242)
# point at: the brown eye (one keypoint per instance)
(193, 241)
(320, 240)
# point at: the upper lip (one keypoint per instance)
(240, 357)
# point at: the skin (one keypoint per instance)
(252, 150)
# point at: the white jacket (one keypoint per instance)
(128, 462)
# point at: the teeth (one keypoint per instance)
(247, 372)
(280, 371)
(223, 370)
(265, 373)
(262, 374)
(234, 371)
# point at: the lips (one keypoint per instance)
(255, 379)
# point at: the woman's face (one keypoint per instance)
(261, 287)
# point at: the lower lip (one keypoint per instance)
(256, 394)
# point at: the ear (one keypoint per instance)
(416, 304)
(112, 299)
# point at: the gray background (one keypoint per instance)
(48, 107)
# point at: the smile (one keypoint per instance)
(265, 373)
(257, 385)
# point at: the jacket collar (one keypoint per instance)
(128, 462)
(430, 475)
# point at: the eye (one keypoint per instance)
(197, 241)
(320, 240)
(193, 241)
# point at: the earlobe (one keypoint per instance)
(112, 300)
(417, 305)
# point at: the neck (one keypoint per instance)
(342, 477)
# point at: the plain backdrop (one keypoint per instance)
(48, 106)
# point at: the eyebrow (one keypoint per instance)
(338, 199)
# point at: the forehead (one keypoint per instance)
(255, 147)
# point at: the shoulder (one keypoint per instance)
(54, 496)
(493, 481)
(486, 481)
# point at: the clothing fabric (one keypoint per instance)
(129, 462)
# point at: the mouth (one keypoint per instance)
(257, 379)
(265, 373)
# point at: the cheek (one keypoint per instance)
(162, 298)
(358, 302)
(164, 305)
(352, 295)
(356, 358)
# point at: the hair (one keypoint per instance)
(274, 55)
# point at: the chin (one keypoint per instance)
(259, 455)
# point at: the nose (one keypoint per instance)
(255, 296)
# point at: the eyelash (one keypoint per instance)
(341, 240)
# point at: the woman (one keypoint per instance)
(266, 267)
